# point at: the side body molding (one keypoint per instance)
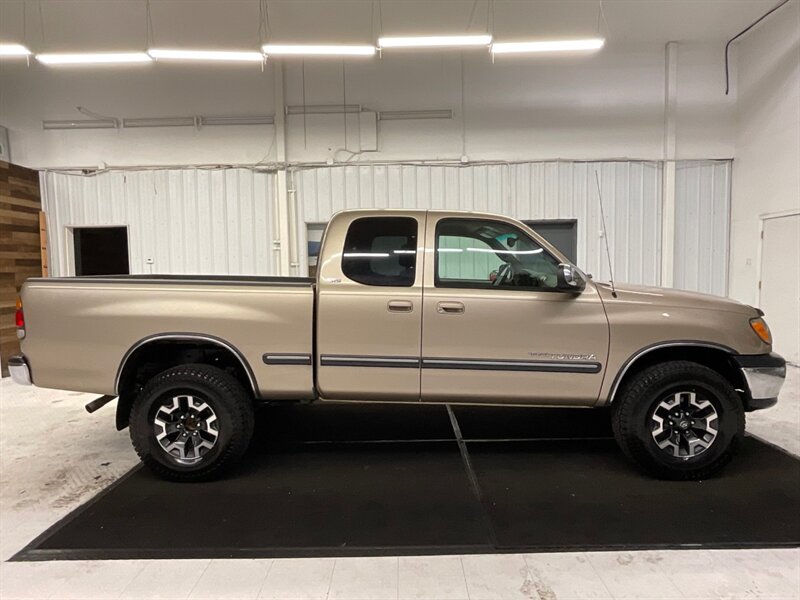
(198, 337)
(659, 346)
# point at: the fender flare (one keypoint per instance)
(659, 346)
(124, 403)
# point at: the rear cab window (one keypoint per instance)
(381, 251)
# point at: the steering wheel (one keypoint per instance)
(503, 273)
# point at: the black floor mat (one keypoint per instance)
(585, 495)
(335, 480)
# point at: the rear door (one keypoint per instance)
(370, 306)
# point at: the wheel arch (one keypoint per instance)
(714, 356)
(166, 350)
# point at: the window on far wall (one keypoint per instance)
(101, 250)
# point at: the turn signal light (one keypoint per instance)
(761, 328)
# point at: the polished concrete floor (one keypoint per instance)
(53, 457)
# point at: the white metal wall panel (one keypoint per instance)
(702, 226)
(188, 221)
(632, 200)
(544, 190)
(222, 221)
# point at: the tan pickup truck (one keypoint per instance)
(408, 306)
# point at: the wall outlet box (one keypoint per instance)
(5, 150)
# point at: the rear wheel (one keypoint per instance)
(678, 420)
(191, 422)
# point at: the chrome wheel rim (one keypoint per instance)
(684, 425)
(186, 428)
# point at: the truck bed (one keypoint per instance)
(81, 329)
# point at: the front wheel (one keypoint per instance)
(678, 420)
(191, 422)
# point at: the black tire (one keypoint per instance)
(231, 413)
(634, 423)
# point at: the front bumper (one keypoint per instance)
(764, 374)
(20, 372)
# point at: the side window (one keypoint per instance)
(485, 254)
(381, 251)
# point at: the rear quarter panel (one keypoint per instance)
(78, 332)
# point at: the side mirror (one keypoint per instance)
(570, 279)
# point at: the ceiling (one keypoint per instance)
(102, 25)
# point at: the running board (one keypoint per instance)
(99, 403)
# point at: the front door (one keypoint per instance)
(369, 309)
(495, 327)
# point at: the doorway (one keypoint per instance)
(101, 250)
(779, 284)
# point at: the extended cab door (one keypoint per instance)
(369, 307)
(495, 326)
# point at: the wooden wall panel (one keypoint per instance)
(21, 246)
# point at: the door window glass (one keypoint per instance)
(485, 254)
(381, 251)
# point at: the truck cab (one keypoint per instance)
(454, 307)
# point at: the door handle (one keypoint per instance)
(450, 308)
(401, 306)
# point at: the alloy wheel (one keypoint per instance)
(684, 424)
(186, 428)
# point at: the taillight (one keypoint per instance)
(19, 317)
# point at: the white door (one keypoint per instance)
(780, 283)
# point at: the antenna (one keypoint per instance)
(605, 235)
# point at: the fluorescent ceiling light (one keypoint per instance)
(548, 46)
(14, 50)
(220, 55)
(252, 120)
(435, 41)
(322, 109)
(80, 124)
(160, 122)
(316, 50)
(93, 58)
(512, 252)
(400, 115)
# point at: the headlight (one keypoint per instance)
(761, 328)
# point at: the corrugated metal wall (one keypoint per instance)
(702, 226)
(187, 221)
(223, 221)
(545, 190)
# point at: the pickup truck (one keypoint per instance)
(409, 306)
